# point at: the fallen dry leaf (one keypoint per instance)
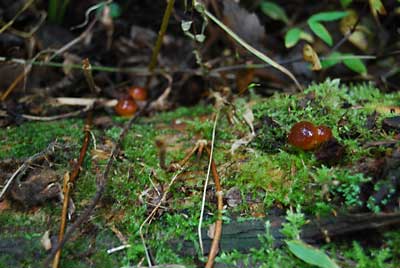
(45, 240)
(309, 55)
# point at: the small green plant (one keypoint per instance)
(291, 229)
(371, 258)
(352, 62)
(349, 187)
(315, 24)
(294, 221)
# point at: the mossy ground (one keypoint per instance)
(267, 171)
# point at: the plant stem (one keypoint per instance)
(160, 37)
(251, 49)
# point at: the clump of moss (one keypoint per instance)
(344, 109)
(32, 137)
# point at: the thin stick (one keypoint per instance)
(160, 37)
(203, 201)
(56, 117)
(87, 70)
(19, 172)
(191, 153)
(83, 101)
(16, 82)
(119, 248)
(218, 223)
(140, 71)
(249, 48)
(70, 181)
(66, 191)
(11, 22)
(22, 76)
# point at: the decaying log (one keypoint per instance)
(242, 236)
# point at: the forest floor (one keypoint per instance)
(264, 179)
(260, 134)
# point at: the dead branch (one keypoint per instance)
(243, 236)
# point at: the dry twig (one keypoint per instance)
(69, 183)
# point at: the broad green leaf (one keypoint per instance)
(355, 64)
(328, 16)
(345, 3)
(292, 37)
(320, 31)
(310, 254)
(274, 11)
(332, 60)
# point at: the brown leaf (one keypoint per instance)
(4, 205)
(45, 240)
(357, 38)
(243, 79)
(311, 56)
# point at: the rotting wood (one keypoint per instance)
(242, 236)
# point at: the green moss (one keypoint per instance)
(32, 137)
(344, 109)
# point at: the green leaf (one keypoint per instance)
(345, 3)
(355, 64)
(310, 254)
(320, 31)
(185, 25)
(292, 37)
(274, 11)
(376, 4)
(333, 59)
(200, 38)
(328, 16)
